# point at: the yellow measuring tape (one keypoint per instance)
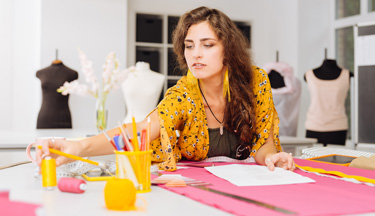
(337, 173)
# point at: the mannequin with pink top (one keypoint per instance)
(141, 91)
(326, 118)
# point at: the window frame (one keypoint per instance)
(364, 16)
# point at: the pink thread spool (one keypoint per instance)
(72, 185)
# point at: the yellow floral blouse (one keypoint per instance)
(183, 123)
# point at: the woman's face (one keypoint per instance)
(204, 53)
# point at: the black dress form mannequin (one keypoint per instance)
(329, 70)
(276, 80)
(54, 112)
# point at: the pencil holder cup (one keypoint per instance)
(135, 166)
(120, 195)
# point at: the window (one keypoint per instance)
(345, 47)
(346, 8)
(371, 5)
(345, 58)
(344, 33)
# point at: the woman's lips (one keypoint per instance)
(198, 65)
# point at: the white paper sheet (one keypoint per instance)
(255, 175)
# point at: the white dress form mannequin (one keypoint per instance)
(141, 91)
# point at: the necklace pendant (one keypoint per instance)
(221, 129)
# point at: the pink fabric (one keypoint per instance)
(15, 208)
(4, 194)
(327, 196)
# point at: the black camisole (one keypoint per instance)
(222, 145)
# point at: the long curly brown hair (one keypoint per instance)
(239, 112)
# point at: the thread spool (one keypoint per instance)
(72, 185)
(49, 173)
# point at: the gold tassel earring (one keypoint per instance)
(226, 85)
(191, 78)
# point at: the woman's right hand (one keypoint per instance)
(70, 147)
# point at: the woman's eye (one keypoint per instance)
(208, 45)
(188, 46)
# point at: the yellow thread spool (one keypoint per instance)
(49, 173)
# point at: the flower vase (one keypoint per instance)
(101, 114)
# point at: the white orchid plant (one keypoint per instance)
(112, 77)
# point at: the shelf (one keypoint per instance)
(174, 77)
(145, 44)
(172, 23)
(151, 55)
(154, 45)
(149, 28)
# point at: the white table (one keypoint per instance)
(12, 140)
(295, 145)
(289, 140)
(25, 187)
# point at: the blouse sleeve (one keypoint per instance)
(172, 114)
(266, 115)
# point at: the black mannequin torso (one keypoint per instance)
(276, 80)
(54, 112)
(329, 70)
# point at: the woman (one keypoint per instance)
(223, 106)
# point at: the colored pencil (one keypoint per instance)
(74, 157)
(108, 138)
(148, 141)
(135, 136)
(128, 145)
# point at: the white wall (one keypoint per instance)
(281, 29)
(314, 29)
(6, 20)
(19, 56)
(97, 27)
(31, 31)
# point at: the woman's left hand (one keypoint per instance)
(281, 159)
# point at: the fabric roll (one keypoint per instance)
(364, 163)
